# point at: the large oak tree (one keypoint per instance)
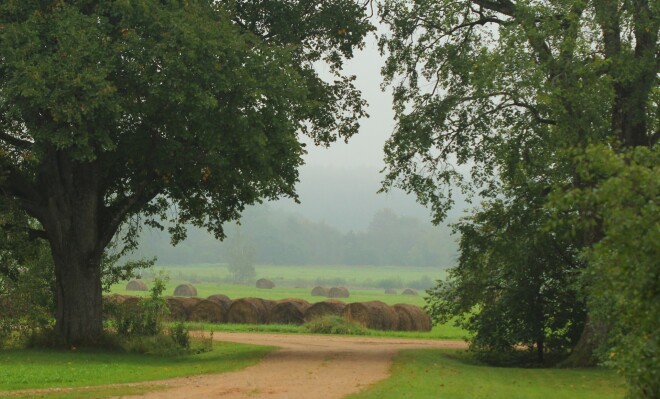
(119, 113)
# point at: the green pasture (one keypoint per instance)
(451, 374)
(295, 281)
(40, 368)
(310, 276)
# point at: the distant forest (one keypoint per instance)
(283, 238)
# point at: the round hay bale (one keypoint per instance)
(390, 291)
(409, 291)
(180, 307)
(374, 314)
(136, 285)
(264, 283)
(130, 302)
(185, 290)
(325, 308)
(114, 303)
(320, 291)
(222, 300)
(250, 311)
(208, 311)
(338, 292)
(288, 312)
(412, 318)
(299, 301)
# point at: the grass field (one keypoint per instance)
(295, 281)
(39, 368)
(446, 374)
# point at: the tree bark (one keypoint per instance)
(72, 205)
(79, 297)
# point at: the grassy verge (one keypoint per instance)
(448, 374)
(39, 368)
(445, 331)
(89, 392)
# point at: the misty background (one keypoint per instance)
(341, 219)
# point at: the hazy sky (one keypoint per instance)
(366, 148)
(338, 185)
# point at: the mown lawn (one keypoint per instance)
(39, 368)
(450, 374)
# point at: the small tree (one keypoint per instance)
(241, 254)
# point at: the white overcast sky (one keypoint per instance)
(366, 148)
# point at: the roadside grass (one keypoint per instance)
(445, 331)
(89, 392)
(451, 374)
(39, 368)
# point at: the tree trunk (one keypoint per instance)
(71, 219)
(583, 354)
(79, 319)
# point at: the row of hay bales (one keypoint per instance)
(334, 292)
(220, 309)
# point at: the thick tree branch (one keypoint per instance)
(15, 141)
(116, 213)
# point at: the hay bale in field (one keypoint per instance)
(325, 308)
(319, 291)
(136, 285)
(180, 307)
(185, 290)
(249, 311)
(409, 291)
(208, 311)
(299, 301)
(390, 291)
(373, 314)
(338, 292)
(412, 318)
(222, 300)
(264, 283)
(114, 303)
(289, 312)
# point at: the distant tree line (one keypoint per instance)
(283, 238)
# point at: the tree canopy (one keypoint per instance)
(517, 92)
(114, 113)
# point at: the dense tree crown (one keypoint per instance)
(115, 112)
(523, 94)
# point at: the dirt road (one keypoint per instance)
(306, 366)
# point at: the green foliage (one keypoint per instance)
(118, 114)
(144, 320)
(514, 284)
(334, 325)
(180, 335)
(624, 277)
(516, 92)
(27, 289)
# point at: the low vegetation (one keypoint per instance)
(450, 374)
(46, 368)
